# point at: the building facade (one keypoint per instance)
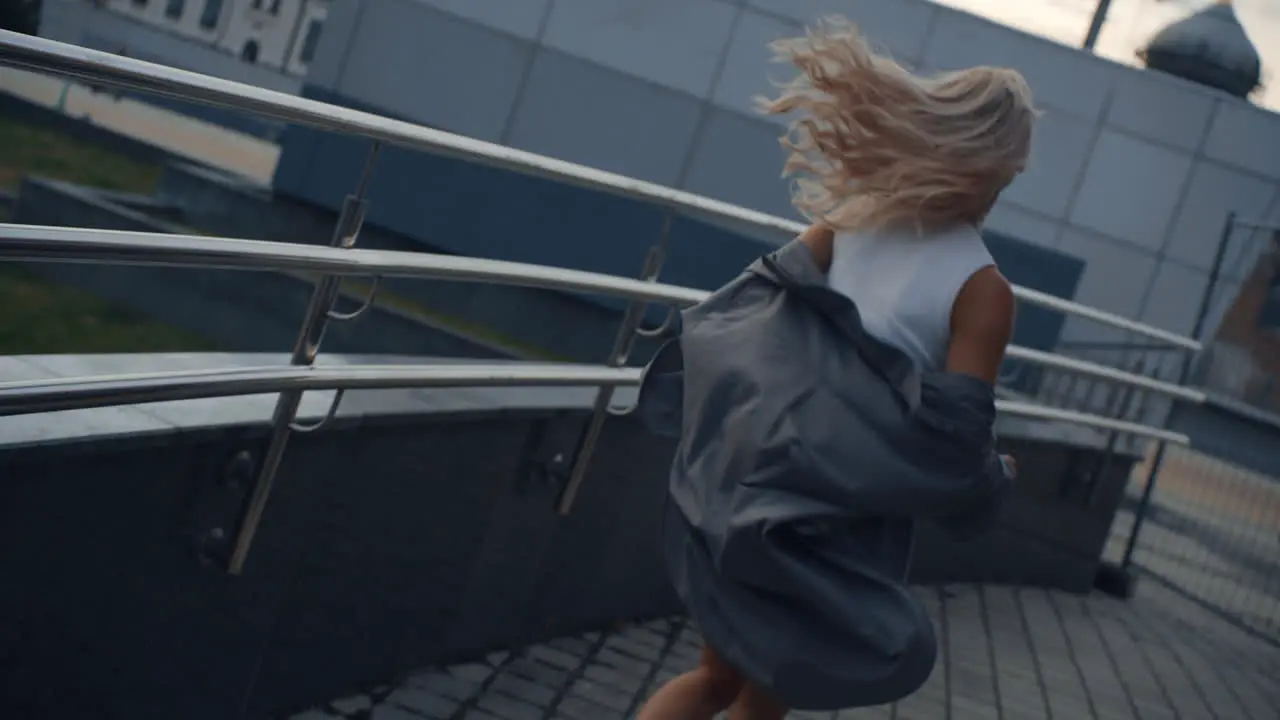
(1133, 171)
(280, 34)
(265, 42)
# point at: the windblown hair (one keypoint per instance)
(876, 145)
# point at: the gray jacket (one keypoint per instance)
(807, 449)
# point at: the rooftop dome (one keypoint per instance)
(1210, 48)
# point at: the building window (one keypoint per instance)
(249, 53)
(275, 7)
(140, 3)
(173, 9)
(310, 41)
(212, 13)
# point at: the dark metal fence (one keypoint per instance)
(1202, 520)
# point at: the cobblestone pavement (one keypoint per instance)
(1006, 653)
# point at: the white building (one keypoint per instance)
(280, 34)
(269, 43)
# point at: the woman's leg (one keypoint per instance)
(754, 703)
(699, 694)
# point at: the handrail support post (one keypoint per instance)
(346, 231)
(623, 343)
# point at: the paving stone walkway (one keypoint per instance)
(1006, 653)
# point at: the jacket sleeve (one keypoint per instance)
(939, 463)
(660, 402)
(981, 514)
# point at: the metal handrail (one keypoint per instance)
(1036, 411)
(42, 55)
(1105, 372)
(31, 242)
(126, 247)
(26, 397)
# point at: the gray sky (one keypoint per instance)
(1131, 23)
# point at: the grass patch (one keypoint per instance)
(32, 150)
(41, 317)
(355, 289)
(45, 318)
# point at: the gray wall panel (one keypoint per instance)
(1246, 137)
(1131, 190)
(1163, 108)
(416, 62)
(675, 43)
(739, 161)
(578, 111)
(1063, 78)
(522, 19)
(900, 26)
(748, 66)
(1214, 191)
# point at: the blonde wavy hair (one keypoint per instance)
(876, 145)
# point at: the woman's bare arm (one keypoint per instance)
(820, 240)
(981, 326)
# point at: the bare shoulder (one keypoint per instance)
(985, 300)
(821, 241)
(981, 324)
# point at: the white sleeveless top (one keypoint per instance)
(904, 284)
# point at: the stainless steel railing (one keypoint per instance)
(77, 393)
(26, 397)
(30, 242)
(341, 259)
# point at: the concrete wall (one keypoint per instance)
(1133, 172)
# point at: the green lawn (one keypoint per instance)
(356, 289)
(37, 316)
(30, 150)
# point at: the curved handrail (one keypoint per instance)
(30, 242)
(78, 393)
(127, 247)
(43, 55)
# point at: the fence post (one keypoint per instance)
(1095, 24)
(319, 311)
(1184, 373)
